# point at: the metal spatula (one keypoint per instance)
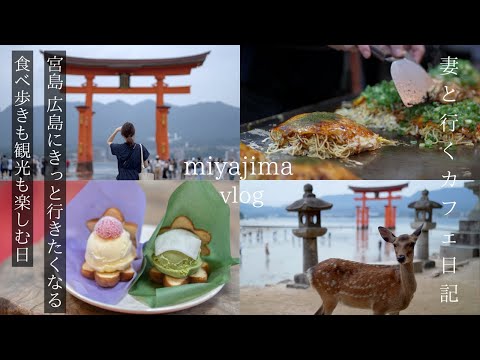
(410, 79)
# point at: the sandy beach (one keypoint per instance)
(278, 299)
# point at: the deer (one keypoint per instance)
(385, 289)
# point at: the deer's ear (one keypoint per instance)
(417, 232)
(386, 234)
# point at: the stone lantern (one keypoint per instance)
(309, 227)
(475, 187)
(466, 243)
(423, 215)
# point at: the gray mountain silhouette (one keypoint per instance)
(200, 124)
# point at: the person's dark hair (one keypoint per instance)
(128, 131)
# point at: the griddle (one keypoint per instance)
(404, 161)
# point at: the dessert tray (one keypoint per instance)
(128, 304)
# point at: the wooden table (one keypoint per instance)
(21, 289)
(21, 292)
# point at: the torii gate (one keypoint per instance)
(159, 68)
(390, 211)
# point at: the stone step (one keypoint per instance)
(466, 238)
(470, 225)
(459, 252)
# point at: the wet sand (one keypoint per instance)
(278, 299)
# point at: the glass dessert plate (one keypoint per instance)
(130, 305)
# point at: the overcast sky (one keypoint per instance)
(279, 193)
(218, 79)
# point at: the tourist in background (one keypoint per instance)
(175, 169)
(4, 166)
(230, 175)
(35, 166)
(170, 169)
(10, 167)
(157, 168)
(183, 169)
(164, 169)
(199, 169)
(43, 166)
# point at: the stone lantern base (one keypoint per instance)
(310, 254)
(300, 281)
(468, 236)
(467, 241)
(428, 264)
(421, 249)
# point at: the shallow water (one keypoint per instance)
(102, 170)
(285, 259)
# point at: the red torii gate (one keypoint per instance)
(159, 68)
(390, 210)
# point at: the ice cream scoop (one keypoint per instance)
(109, 247)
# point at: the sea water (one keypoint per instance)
(342, 240)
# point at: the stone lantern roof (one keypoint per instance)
(309, 202)
(424, 203)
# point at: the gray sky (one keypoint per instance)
(279, 193)
(218, 79)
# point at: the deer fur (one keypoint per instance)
(383, 289)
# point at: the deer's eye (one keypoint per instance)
(394, 245)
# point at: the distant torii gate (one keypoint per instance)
(390, 210)
(159, 68)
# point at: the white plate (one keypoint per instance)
(131, 305)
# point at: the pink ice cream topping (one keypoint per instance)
(108, 228)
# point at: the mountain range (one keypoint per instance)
(200, 124)
(344, 205)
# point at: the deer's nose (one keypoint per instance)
(401, 258)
